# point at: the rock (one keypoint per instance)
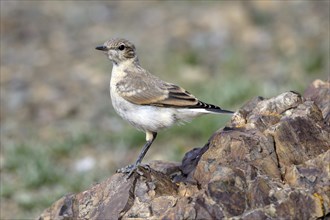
(271, 161)
(319, 93)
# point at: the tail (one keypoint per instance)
(209, 108)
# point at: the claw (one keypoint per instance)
(129, 170)
(132, 168)
(126, 169)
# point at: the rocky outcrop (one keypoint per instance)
(271, 161)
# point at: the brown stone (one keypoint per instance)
(319, 93)
(271, 162)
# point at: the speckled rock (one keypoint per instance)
(271, 161)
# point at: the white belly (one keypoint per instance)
(150, 118)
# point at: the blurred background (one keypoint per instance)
(59, 132)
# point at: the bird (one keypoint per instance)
(144, 100)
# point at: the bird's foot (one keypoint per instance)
(132, 168)
(126, 169)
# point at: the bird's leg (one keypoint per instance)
(150, 137)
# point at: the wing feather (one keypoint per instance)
(147, 89)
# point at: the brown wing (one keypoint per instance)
(146, 89)
(177, 97)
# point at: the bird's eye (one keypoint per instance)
(121, 47)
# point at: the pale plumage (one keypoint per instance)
(147, 102)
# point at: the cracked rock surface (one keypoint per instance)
(271, 161)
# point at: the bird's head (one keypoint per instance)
(118, 50)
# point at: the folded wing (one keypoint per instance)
(146, 89)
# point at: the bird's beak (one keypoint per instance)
(103, 48)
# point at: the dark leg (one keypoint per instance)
(150, 137)
(146, 148)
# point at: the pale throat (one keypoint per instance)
(119, 70)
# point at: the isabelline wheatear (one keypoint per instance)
(144, 100)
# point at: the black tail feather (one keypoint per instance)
(211, 108)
